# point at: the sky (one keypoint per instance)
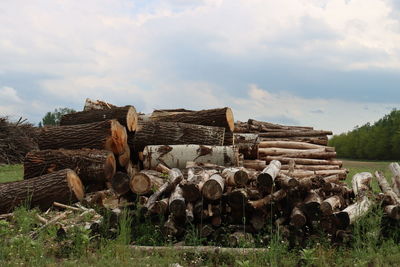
(330, 64)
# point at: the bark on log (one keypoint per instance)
(176, 156)
(276, 196)
(177, 205)
(160, 207)
(304, 161)
(395, 169)
(213, 188)
(256, 164)
(268, 125)
(287, 182)
(301, 173)
(219, 117)
(310, 154)
(146, 181)
(361, 183)
(297, 218)
(311, 205)
(247, 144)
(97, 104)
(329, 205)
(319, 140)
(126, 116)
(62, 186)
(91, 165)
(291, 145)
(109, 135)
(191, 187)
(393, 211)
(392, 196)
(353, 212)
(235, 176)
(238, 198)
(312, 167)
(176, 133)
(267, 177)
(120, 183)
(296, 133)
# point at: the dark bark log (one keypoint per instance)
(109, 135)
(175, 133)
(276, 196)
(189, 212)
(319, 140)
(238, 198)
(311, 205)
(126, 116)
(220, 117)
(266, 125)
(285, 181)
(177, 205)
(296, 133)
(62, 186)
(120, 183)
(191, 187)
(312, 167)
(297, 218)
(91, 165)
(247, 144)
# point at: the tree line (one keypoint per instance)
(379, 141)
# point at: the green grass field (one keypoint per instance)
(367, 248)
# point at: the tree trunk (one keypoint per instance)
(312, 167)
(287, 182)
(276, 196)
(176, 156)
(126, 116)
(311, 205)
(160, 207)
(395, 169)
(386, 189)
(219, 117)
(296, 133)
(267, 177)
(361, 183)
(97, 104)
(109, 135)
(353, 212)
(291, 145)
(235, 176)
(146, 181)
(304, 161)
(301, 173)
(91, 165)
(247, 144)
(191, 187)
(256, 164)
(266, 126)
(62, 186)
(213, 188)
(294, 153)
(318, 140)
(329, 205)
(176, 133)
(177, 205)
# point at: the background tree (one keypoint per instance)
(53, 118)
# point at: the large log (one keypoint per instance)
(247, 144)
(291, 144)
(146, 181)
(176, 156)
(127, 116)
(353, 212)
(329, 205)
(284, 152)
(312, 167)
(176, 133)
(109, 135)
(268, 126)
(219, 117)
(91, 165)
(304, 161)
(296, 133)
(303, 173)
(395, 169)
(97, 104)
(318, 140)
(62, 186)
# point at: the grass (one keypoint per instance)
(372, 244)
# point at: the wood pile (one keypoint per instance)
(185, 169)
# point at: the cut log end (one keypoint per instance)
(393, 211)
(265, 180)
(131, 119)
(75, 185)
(241, 177)
(140, 184)
(326, 208)
(212, 190)
(230, 119)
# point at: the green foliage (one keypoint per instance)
(380, 141)
(53, 118)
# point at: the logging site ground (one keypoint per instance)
(365, 248)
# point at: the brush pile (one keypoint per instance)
(16, 139)
(182, 169)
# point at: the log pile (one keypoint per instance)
(184, 168)
(302, 151)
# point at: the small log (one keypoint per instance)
(235, 176)
(247, 144)
(311, 205)
(213, 188)
(127, 116)
(177, 205)
(109, 135)
(329, 205)
(62, 186)
(312, 167)
(175, 177)
(120, 183)
(306, 183)
(331, 179)
(296, 133)
(146, 181)
(91, 165)
(256, 164)
(191, 187)
(276, 196)
(353, 212)
(285, 181)
(176, 133)
(297, 218)
(97, 104)
(361, 183)
(395, 169)
(291, 145)
(267, 126)
(238, 198)
(318, 140)
(219, 117)
(160, 207)
(386, 189)
(267, 177)
(176, 156)
(304, 161)
(393, 211)
(162, 168)
(301, 173)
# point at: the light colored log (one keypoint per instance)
(395, 169)
(213, 188)
(256, 164)
(361, 183)
(329, 205)
(303, 161)
(312, 167)
(302, 173)
(267, 177)
(145, 181)
(292, 145)
(353, 212)
(235, 176)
